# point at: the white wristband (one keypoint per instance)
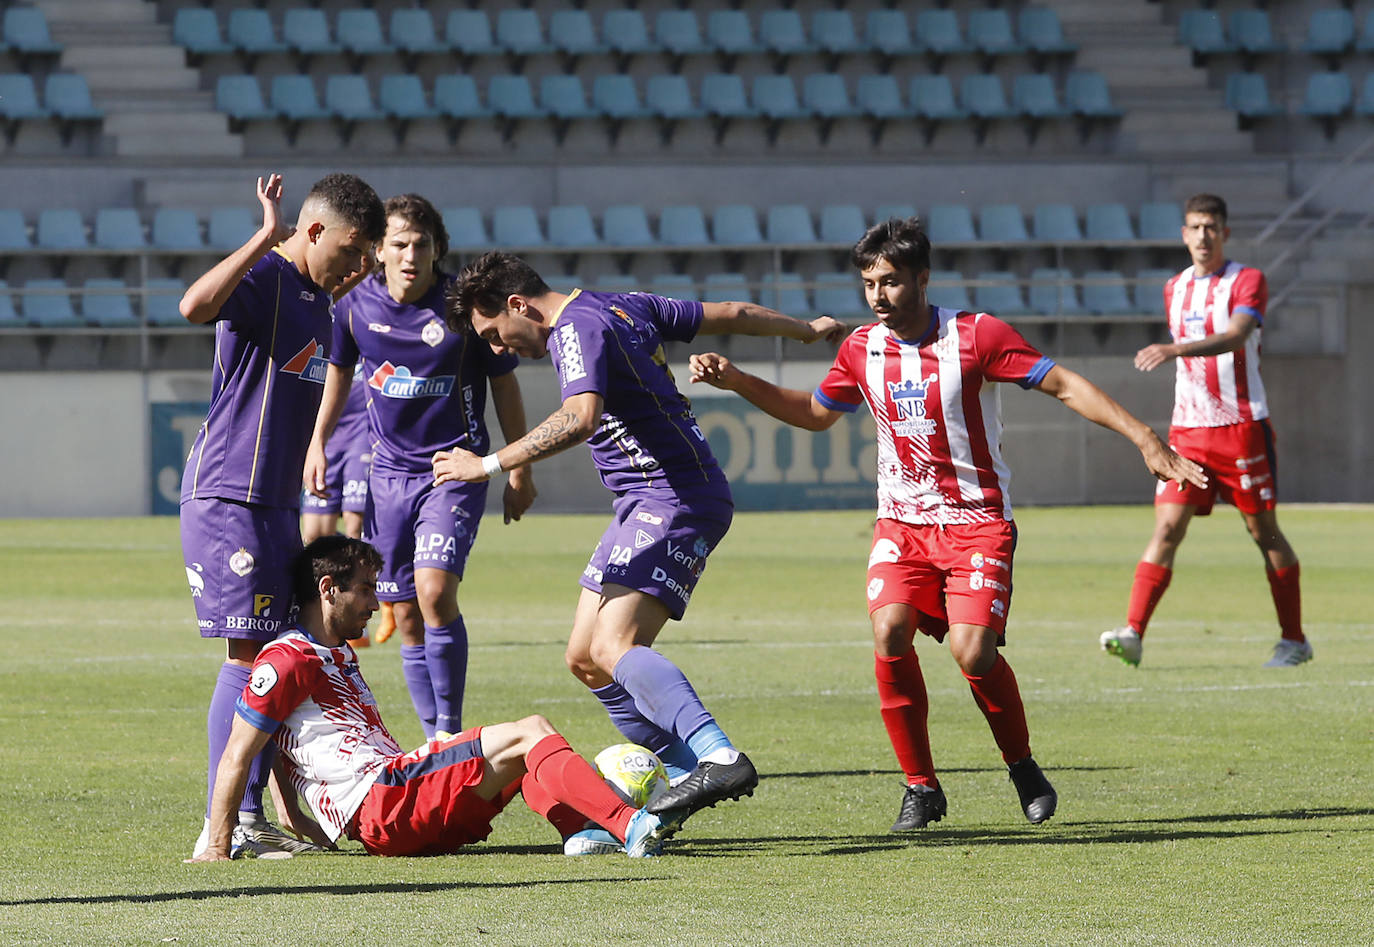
(491, 465)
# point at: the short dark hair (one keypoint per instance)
(1206, 204)
(486, 283)
(354, 201)
(901, 242)
(340, 557)
(422, 215)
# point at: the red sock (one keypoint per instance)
(904, 707)
(564, 818)
(570, 780)
(1283, 583)
(1146, 591)
(999, 699)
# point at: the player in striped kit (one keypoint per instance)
(941, 561)
(1221, 420)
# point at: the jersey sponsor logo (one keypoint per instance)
(432, 334)
(593, 573)
(696, 562)
(649, 518)
(194, 580)
(1195, 324)
(875, 588)
(378, 327)
(701, 548)
(241, 563)
(999, 608)
(388, 588)
(978, 580)
(909, 398)
(672, 585)
(570, 364)
(308, 364)
(252, 623)
(884, 550)
(263, 680)
(306, 296)
(1244, 462)
(262, 604)
(978, 561)
(1248, 482)
(643, 539)
(436, 546)
(620, 556)
(635, 452)
(396, 381)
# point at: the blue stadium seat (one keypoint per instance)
(782, 32)
(722, 96)
(785, 293)
(176, 228)
(1108, 223)
(982, 96)
(937, 31)
(888, 32)
(1055, 223)
(570, 225)
(68, 97)
(1149, 289)
(349, 99)
(197, 30)
(1053, 293)
(1202, 32)
(730, 33)
(510, 97)
(1001, 296)
(674, 286)
(1104, 292)
(1364, 105)
(991, 33)
(413, 33)
(615, 96)
(60, 229)
(1088, 96)
(162, 301)
(669, 97)
(456, 97)
(833, 32)
(626, 33)
(1041, 31)
(572, 32)
(683, 225)
(47, 304)
(564, 98)
(1160, 220)
(469, 32)
(932, 98)
(626, 225)
(837, 294)
(879, 97)
(735, 225)
(950, 223)
(19, 98)
(1252, 33)
(775, 97)
(402, 96)
(1002, 223)
(824, 96)
(305, 31)
(360, 32)
(679, 33)
(25, 31)
(230, 227)
(1328, 95)
(615, 283)
(9, 318)
(1032, 94)
(790, 224)
(119, 228)
(293, 97)
(1366, 41)
(14, 232)
(947, 289)
(106, 303)
(1247, 94)
(516, 226)
(520, 33)
(1330, 32)
(466, 228)
(250, 31)
(726, 287)
(842, 223)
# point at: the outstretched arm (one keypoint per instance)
(245, 742)
(1090, 401)
(789, 405)
(510, 414)
(574, 421)
(207, 295)
(1237, 331)
(338, 380)
(734, 318)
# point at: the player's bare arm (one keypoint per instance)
(337, 382)
(789, 405)
(245, 742)
(1086, 399)
(207, 295)
(510, 414)
(292, 817)
(740, 318)
(570, 425)
(1237, 331)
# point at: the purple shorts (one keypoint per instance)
(345, 477)
(238, 562)
(658, 546)
(416, 525)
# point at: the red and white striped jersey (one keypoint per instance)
(1216, 390)
(324, 719)
(939, 425)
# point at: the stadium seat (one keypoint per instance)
(1364, 105)
(674, 286)
(735, 225)
(947, 289)
(615, 96)
(60, 229)
(1041, 31)
(990, 32)
(1366, 41)
(1247, 94)
(519, 32)
(293, 98)
(25, 31)
(1055, 223)
(1104, 293)
(932, 98)
(950, 223)
(1033, 95)
(572, 33)
(240, 97)
(564, 98)
(14, 232)
(679, 33)
(626, 33)
(197, 30)
(937, 32)
(510, 97)
(47, 304)
(1149, 289)
(1088, 96)
(68, 98)
(729, 33)
(832, 32)
(1108, 223)
(1252, 33)
(570, 225)
(824, 96)
(669, 97)
(230, 227)
(1160, 220)
(626, 225)
(888, 32)
(162, 301)
(176, 228)
(516, 226)
(1053, 293)
(726, 287)
(879, 97)
(790, 224)
(615, 283)
(468, 32)
(413, 33)
(842, 224)
(360, 32)
(1202, 32)
(9, 318)
(1330, 32)
(305, 31)
(1328, 95)
(349, 99)
(775, 98)
(119, 228)
(402, 96)
(722, 96)
(106, 303)
(250, 31)
(782, 33)
(785, 293)
(1001, 296)
(982, 96)
(837, 294)
(683, 225)
(19, 98)
(456, 97)
(1002, 223)
(466, 229)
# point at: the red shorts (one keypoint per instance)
(1238, 460)
(951, 575)
(426, 802)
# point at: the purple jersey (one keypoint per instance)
(352, 428)
(426, 385)
(269, 370)
(648, 439)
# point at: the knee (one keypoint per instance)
(535, 727)
(892, 636)
(974, 653)
(580, 663)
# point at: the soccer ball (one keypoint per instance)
(634, 772)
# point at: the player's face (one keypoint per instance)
(897, 297)
(407, 255)
(349, 609)
(1205, 237)
(335, 253)
(515, 328)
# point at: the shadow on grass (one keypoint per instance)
(822, 773)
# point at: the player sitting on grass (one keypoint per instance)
(308, 695)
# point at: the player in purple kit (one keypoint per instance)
(427, 390)
(672, 502)
(240, 495)
(348, 454)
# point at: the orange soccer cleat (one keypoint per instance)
(388, 626)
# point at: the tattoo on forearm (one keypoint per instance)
(557, 432)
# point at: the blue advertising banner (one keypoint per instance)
(173, 425)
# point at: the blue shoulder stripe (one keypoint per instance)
(834, 405)
(1037, 373)
(259, 720)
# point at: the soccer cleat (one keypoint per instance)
(1123, 642)
(709, 784)
(387, 627)
(645, 834)
(202, 841)
(1289, 654)
(593, 840)
(265, 840)
(1038, 798)
(921, 806)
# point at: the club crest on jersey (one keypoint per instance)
(909, 398)
(623, 316)
(396, 381)
(193, 578)
(309, 363)
(570, 364)
(432, 334)
(241, 563)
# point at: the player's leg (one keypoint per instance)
(315, 525)
(410, 626)
(353, 524)
(444, 638)
(1153, 573)
(905, 708)
(1282, 569)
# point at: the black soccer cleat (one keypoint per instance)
(707, 785)
(920, 807)
(1038, 798)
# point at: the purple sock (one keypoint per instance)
(446, 655)
(661, 692)
(637, 728)
(233, 678)
(416, 672)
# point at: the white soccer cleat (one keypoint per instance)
(202, 841)
(1289, 654)
(1123, 642)
(263, 839)
(593, 840)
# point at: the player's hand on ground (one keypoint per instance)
(716, 370)
(1152, 356)
(519, 494)
(315, 476)
(457, 464)
(269, 195)
(207, 856)
(1165, 464)
(828, 328)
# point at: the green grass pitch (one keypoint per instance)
(1203, 799)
